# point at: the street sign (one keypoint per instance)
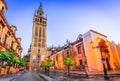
(103, 60)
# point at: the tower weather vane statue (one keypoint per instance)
(38, 46)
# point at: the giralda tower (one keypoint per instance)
(38, 45)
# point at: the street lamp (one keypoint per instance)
(54, 51)
(85, 61)
(103, 46)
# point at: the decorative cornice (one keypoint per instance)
(7, 25)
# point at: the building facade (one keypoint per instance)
(38, 45)
(88, 56)
(115, 53)
(8, 40)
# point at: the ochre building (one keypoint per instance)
(87, 56)
(8, 40)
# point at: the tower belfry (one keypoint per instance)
(40, 10)
(38, 46)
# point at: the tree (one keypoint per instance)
(6, 56)
(22, 62)
(16, 61)
(69, 61)
(46, 64)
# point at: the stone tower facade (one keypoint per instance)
(38, 46)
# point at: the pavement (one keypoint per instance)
(59, 76)
(7, 77)
(22, 76)
(78, 76)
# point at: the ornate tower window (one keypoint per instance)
(40, 20)
(35, 42)
(36, 31)
(43, 32)
(39, 44)
(40, 32)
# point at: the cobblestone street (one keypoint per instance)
(7, 77)
(59, 76)
(27, 76)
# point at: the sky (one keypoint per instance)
(66, 19)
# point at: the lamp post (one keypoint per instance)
(103, 46)
(68, 54)
(85, 61)
(53, 51)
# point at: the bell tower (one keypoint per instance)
(38, 46)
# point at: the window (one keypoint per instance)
(12, 45)
(38, 50)
(45, 22)
(39, 44)
(43, 32)
(79, 50)
(5, 39)
(67, 52)
(35, 42)
(35, 19)
(36, 31)
(39, 39)
(81, 63)
(40, 32)
(43, 43)
(40, 20)
(33, 61)
(2, 9)
(38, 57)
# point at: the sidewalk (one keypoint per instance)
(46, 78)
(76, 76)
(115, 72)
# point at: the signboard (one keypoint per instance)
(103, 60)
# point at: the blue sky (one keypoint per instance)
(66, 19)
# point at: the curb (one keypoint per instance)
(12, 79)
(46, 78)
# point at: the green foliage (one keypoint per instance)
(22, 62)
(6, 56)
(48, 63)
(42, 65)
(16, 60)
(69, 61)
(11, 59)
